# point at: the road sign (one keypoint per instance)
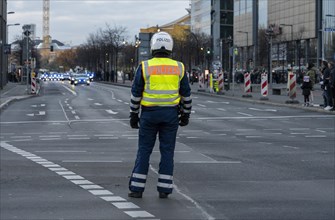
(330, 29)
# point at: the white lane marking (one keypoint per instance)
(60, 151)
(82, 182)
(125, 205)
(221, 109)
(192, 137)
(139, 214)
(90, 186)
(73, 112)
(30, 114)
(89, 99)
(296, 133)
(43, 105)
(79, 138)
(214, 102)
(246, 129)
(108, 138)
(92, 161)
(49, 136)
(100, 192)
(321, 131)
(268, 117)
(253, 136)
(299, 129)
(49, 139)
(263, 110)
(209, 162)
(205, 214)
(77, 117)
(70, 108)
(112, 198)
(98, 104)
(73, 177)
(77, 135)
(76, 179)
(65, 173)
(315, 136)
(21, 137)
(111, 112)
(286, 146)
(204, 106)
(245, 114)
(41, 113)
(73, 92)
(67, 119)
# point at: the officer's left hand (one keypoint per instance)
(184, 119)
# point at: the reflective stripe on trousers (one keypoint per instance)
(163, 122)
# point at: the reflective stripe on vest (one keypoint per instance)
(162, 81)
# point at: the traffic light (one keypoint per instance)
(208, 50)
(51, 48)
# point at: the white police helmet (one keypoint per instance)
(161, 42)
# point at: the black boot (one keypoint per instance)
(163, 195)
(134, 194)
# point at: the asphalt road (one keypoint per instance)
(68, 154)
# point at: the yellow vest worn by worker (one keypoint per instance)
(162, 81)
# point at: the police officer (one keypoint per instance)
(162, 95)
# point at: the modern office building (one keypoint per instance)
(303, 31)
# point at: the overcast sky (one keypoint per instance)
(71, 21)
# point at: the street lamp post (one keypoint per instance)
(247, 33)
(291, 26)
(3, 40)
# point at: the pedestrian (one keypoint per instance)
(306, 90)
(311, 72)
(332, 83)
(322, 86)
(326, 81)
(160, 92)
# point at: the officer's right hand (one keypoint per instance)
(134, 119)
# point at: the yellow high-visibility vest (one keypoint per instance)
(162, 78)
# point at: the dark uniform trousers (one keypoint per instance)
(163, 121)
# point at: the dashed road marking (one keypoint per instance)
(96, 190)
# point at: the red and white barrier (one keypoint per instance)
(264, 84)
(293, 85)
(220, 81)
(247, 83)
(201, 81)
(33, 84)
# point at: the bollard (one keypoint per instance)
(292, 89)
(247, 85)
(33, 83)
(201, 82)
(264, 86)
(220, 82)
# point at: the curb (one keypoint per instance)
(13, 99)
(264, 102)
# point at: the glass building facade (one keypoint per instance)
(201, 16)
(301, 25)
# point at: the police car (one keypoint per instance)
(81, 79)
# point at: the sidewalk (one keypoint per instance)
(16, 91)
(237, 92)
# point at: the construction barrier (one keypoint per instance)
(220, 82)
(264, 84)
(247, 83)
(33, 83)
(293, 85)
(211, 85)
